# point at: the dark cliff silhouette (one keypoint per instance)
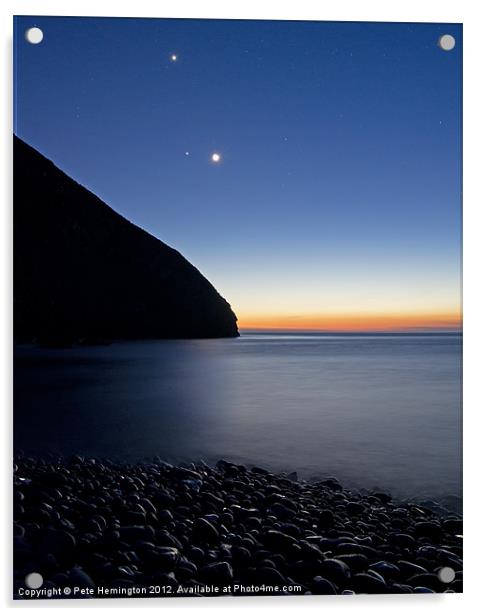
(82, 272)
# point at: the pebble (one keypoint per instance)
(356, 562)
(89, 523)
(277, 540)
(57, 542)
(270, 575)
(335, 570)
(220, 573)
(326, 518)
(354, 509)
(367, 583)
(204, 532)
(133, 533)
(281, 512)
(321, 586)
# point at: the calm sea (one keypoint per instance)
(371, 410)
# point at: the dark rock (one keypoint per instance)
(431, 530)
(48, 564)
(310, 551)
(367, 583)
(403, 540)
(78, 577)
(326, 518)
(281, 511)
(166, 579)
(328, 544)
(332, 483)
(212, 518)
(166, 538)
(22, 551)
(164, 557)
(386, 569)
(163, 499)
(61, 580)
(148, 505)
(220, 573)
(259, 471)
(204, 532)
(427, 552)
(57, 542)
(445, 557)
(291, 529)
(453, 526)
(429, 580)
(227, 526)
(334, 570)
(276, 540)
(133, 533)
(348, 548)
(354, 508)
(383, 497)
(356, 562)
(185, 473)
(213, 502)
(196, 554)
(241, 556)
(133, 518)
(226, 518)
(409, 569)
(269, 575)
(321, 586)
(61, 231)
(399, 589)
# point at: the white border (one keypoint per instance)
(347, 10)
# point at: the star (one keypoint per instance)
(173, 57)
(216, 157)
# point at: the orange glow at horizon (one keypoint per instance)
(355, 322)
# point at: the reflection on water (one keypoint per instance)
(371, 410)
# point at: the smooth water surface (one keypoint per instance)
(372, 410)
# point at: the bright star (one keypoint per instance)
(173, 57)
(216, 158)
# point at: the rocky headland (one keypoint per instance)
(85, 274)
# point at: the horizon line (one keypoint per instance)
(399, 321)
(408, 331)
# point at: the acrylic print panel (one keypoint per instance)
(237, 318)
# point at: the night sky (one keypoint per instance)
(335, 203)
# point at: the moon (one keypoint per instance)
(216, 157)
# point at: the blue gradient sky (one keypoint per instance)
(339, 188)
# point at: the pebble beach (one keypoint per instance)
(100, 529)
